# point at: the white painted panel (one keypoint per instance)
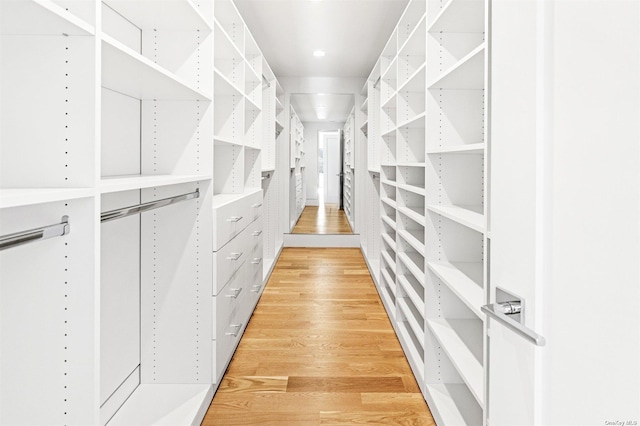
(47, 318)
(120, 144)
(595, 196)
(513, 206)
(176, 137)
(119, 294)
(47, 109)
(176, 288)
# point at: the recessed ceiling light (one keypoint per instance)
(318, 53)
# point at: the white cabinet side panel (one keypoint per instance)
(119, 294)
(47, 318)
(176, 288)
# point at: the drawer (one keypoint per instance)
(229, 219)
(228, 260)
(254, 231)
(229, 308)
(255, 261)
(232, 217)
(254, 205)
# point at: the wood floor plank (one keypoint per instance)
(319, 349)
(325, 219)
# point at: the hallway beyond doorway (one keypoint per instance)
(323, 219)
(319, 350)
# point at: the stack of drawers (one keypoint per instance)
(237, 268)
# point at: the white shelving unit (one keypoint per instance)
(371, 242)
(150, 132)
(348, 199)
(297, 164)
(456, 219)
(273, 136)
(426, 106)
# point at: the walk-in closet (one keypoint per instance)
(320, 212)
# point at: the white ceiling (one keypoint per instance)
(351, 32)
(322, 106)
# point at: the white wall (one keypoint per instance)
(311, 130)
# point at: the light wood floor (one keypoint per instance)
(324, 219)
(319, 350)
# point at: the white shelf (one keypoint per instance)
(389, 260)
(464, 279)
(418, 218)
(222, 141)
(409, 260)
(131, 182)
(412, 165)
(472, 148)
(416, 81)
(417, 122)
(411, 188)
(460, 16)
(418, 329)
(389, 241)
(416, 299)
(128, 72)
(40, 17)
(410, 237)
(172, 404)
(224, 86)
(174, 15)
(388, 201)
(467, 73)
(461, 339)
(29, 196)
(414, 356)
(470, 216)
(453, 404)
(365, 105)
(389, 222)
(279, 126)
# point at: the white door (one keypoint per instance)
(564, 209)
(332, 167)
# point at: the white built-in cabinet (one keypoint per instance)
(495, 232)
(348, 167)
(297, 164)
(426, 146)
(132, 215)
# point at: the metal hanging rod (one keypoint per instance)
(376, 176)
(19, 238)
(375, 85)
(140, 208)
(267, 176)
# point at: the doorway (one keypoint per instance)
(329, 168)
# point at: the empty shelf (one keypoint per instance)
(469, 216)
(464, 279)
(131, 182)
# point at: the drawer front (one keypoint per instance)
(255, 232)
(228, 261)
(230, 220)
(229, 308)
(254, 205)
